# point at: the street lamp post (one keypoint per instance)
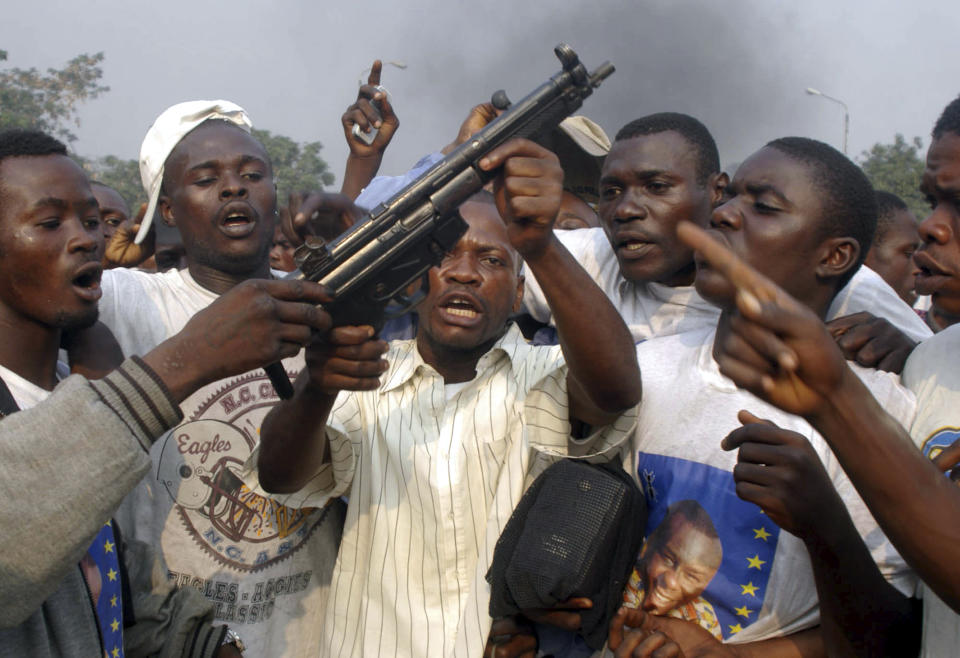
(399, 65)
(846, 113)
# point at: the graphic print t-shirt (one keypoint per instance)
(265, 567)
(717, 557)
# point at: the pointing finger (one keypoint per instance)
(375, 69)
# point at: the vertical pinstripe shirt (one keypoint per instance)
(431, 483)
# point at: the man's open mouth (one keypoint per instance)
(633, 244)
(86, 281)
(238, 220)
(460, 306)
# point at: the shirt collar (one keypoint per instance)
(405, 360)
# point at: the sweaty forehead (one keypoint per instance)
(667, 151)
(25, 180)
(213, 141)
(486, 228)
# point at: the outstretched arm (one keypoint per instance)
(795, 365)
(604, 378)
(293, 439)
(90, 440)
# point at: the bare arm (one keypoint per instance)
(604, 378)
(92, 352)
(293, 438)
(90, 440)
(919, 509)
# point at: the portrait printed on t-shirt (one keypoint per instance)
(707, 554)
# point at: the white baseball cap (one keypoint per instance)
(164, 135)
(581, 145)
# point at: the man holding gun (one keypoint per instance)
(435, 442)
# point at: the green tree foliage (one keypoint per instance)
(48, 101)
(296, 167)
(121, 175)
(898, 168)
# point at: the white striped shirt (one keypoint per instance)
(431, 484)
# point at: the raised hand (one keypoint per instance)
(772, 345)
(323, 214)
(365, 116)
(478, 117)
(120, 250)
(528, 190)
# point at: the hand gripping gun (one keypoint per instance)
(369, 268)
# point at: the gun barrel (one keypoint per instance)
(403, 237)
(601, 73)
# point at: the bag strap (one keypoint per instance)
(8, 405)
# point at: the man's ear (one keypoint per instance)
(166, 211)
(837, 256)
(518, 300)
(717, 187)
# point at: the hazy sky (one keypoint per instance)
(739, 66)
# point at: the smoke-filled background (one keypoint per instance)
(740, 66)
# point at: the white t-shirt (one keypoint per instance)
(24, 392)
(764, 586)
(653, 309)
(265, 567)
(933, 373)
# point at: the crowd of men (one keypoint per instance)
(768, 353)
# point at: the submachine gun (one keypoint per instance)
(369, 267)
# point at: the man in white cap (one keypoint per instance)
(265, 567)
(71, 450)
